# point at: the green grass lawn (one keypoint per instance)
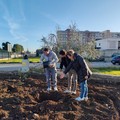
(19, 60)
(109, 70)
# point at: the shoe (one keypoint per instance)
(48, 89)
(55, 89)
(73, 92)
(79, 99)
(67, 91)
(85, 98)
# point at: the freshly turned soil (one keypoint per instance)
(29, 100)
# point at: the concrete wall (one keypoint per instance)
(108, 53)
(4, 55)
(101, 44)
(14, 55)
(109, 43)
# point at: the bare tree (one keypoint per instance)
(74, 41)
(44, 40)
(50, 41)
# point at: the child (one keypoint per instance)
(25, 64)
(25, 68)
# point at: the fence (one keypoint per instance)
(4, 55)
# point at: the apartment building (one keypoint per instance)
(86, 36)
(67, 35)
(62, 36)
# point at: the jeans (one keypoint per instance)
(51, 74)
(72, 78)
(84, 89)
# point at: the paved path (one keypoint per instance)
(102, 64)
(13, 67)
(9, 67)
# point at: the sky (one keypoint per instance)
(25, 22)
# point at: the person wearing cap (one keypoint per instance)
(49, 60)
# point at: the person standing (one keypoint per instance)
(49, 60)
(25, 64)
(24, 70)
(83, 73)
(72, 77)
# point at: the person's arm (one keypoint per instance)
(88, 68)
(61, 64)
(55, 58)
(83, 67)
(62, 75)
(68, 67)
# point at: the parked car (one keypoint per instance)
(115, 54)
(116, 59)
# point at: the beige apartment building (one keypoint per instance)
(86, 36)
(107, 42)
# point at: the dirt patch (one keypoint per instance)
(29, 100)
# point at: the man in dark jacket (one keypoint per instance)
(72, 77)
(82, 70)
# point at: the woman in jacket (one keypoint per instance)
(82, 70)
